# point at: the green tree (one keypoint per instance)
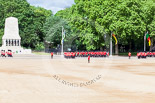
(31, 20)
(129, 20)
(53, 30)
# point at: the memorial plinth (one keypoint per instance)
(11, 39)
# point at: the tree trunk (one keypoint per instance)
(151, 44)
(101, 48)
(116, 49)
(130, 46)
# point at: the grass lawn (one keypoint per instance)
(41, 53)
(126, 54)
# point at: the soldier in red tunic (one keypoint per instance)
(138, 55)
(88, 58)
(9, 53)
(129, 54)
(154, 54)
(77, 54)
(51, 55)
(3, 53)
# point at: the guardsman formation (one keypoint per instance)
(145, 54)
(6, 54)
(85, 54)
(69, 55)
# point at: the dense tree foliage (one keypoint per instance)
(88, 23)
(128, 19)
(53, 29)
(31, 20)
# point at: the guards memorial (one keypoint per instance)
(11, 39)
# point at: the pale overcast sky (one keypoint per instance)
(54, 5)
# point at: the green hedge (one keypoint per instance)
(126, 54)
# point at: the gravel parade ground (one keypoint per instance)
(39, 79)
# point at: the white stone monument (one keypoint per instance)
(11, 39)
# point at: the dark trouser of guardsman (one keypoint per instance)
(51, 55)
(129, 55)
(88, 59)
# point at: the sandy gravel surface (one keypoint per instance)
(38, 79)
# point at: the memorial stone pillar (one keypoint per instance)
(19, 42)
(4, 42)
(11, 42)
(16, 42)
(11, 39)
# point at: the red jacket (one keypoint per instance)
(129, 54)
(88, 57)
(138, 54)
